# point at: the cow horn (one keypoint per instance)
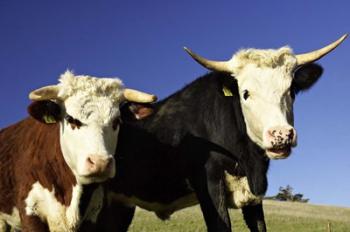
(318, 54)
(220, 66)
(44, 93)
(138, 96)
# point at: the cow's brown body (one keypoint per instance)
(30, 152)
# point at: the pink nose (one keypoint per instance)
(281, 136)
(97, 164)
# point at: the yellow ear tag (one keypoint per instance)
(227, 91)
(49, 119)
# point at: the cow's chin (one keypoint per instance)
(95, 178)
(280, 153)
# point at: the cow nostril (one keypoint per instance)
(271, 133)
(291, 131)
(90, 161)
(291, 134)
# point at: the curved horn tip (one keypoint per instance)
(154, 98)
(186, 49)
(32, 96)
(44, 93)
(189, 51)
(138, 96)
(344, 36)
(220, 66)
(341, 39)
(318, 54)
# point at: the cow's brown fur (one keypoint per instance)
(30, 152)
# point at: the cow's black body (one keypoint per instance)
(184, 147)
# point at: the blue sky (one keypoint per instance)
(141, 42)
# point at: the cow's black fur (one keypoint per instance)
(193, 136)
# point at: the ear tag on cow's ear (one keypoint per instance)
(227, 91)
(49, 119)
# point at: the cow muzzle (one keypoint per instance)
(279, 141)
(99, 166)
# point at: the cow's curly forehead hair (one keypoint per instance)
(90, 86)
(271, 58)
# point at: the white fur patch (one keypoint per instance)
(268, 58)
(12, 220)
(238, 192)
(71, 85)
(43, 203)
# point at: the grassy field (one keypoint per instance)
(280, 216)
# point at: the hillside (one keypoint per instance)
(280, 216)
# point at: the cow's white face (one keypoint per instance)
(267, 83)
(87, 109)
(88, 135)
(89, 125)
(267, 105)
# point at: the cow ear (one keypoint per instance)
(136, 111)
(306, 76)
(46, 111)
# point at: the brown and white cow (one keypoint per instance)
(52, 164)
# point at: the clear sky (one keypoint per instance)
(141, 42)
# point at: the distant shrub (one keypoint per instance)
(286, 194)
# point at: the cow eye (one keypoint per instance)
(73, 122)
(245, 94)
(116, 123)
(69, 119)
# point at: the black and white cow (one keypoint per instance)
(210, 143)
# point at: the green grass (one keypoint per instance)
(279, 216)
